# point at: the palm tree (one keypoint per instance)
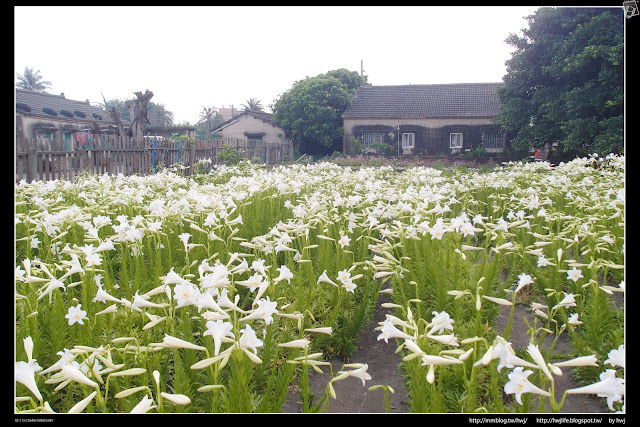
(32, 80)
(159, 115)
(253, 104)
(207, 117)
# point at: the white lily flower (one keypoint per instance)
(609, 386)
(361, 373)
(501, 349)
(285, 274)
(440, 322)
(25, 374)
(445, 339)
(144, 406)
(569, 300)
(140, 301)
(616, 357)
(524, 279)
(219, 330)
(75, 374)
(390, 331)
(519, 384)
(324, 278)
(249, 340)
(76, 314)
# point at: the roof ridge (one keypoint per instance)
(432, 84)
(34, 92)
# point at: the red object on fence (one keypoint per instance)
(537, 155)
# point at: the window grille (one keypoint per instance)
(369, 138)
(493, 139)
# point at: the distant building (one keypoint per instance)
(167, 131)
(48, 118)
(435, 119)
(252, 125)
(229, 113)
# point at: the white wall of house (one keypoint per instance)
(249, 124)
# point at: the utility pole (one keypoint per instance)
(361, 69)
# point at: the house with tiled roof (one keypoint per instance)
(52, 118)
(253, 125)
(435, 119)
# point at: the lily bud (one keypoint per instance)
(178, 399)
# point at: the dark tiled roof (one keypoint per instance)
(39, 101)
(260, 115)
(424, 101)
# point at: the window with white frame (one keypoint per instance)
(455, 140)
(370, 138)
(493, 140)
(408, 140)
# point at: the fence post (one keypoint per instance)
(32, 159)
(84, 159)
(192, 157)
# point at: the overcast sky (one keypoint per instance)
(191, 57)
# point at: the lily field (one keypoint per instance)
(222, 291)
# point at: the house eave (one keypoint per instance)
(418, 118)
(63, 119)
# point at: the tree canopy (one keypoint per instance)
(208, 119)
(157, 113)
(565, 80)
(253, 104)
(32, 80)
(310, 112)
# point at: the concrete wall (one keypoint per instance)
(431, 135)
(32, 127)
(249, 124)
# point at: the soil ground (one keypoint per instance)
(353, 397)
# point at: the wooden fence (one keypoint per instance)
(44, 160)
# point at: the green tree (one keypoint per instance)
(564, 81)
(159, 115)
(136, 111)
(253, 104)
(310, 112)
(119, 105)
(207, 117)
(32, 80)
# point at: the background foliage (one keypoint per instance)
(310, 113)
(565, 80)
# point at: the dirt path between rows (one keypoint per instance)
(353, 397)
